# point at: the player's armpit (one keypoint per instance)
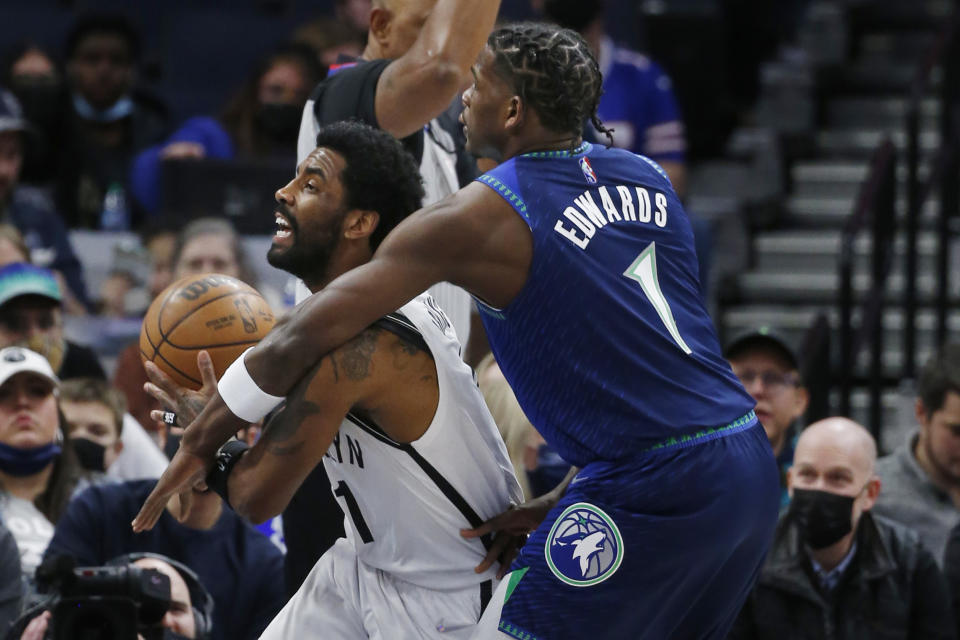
(294, 441)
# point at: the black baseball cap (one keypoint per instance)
(762, 337)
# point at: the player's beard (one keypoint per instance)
(307, 258)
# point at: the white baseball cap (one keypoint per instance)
(14, 360)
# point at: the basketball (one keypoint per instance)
(209, 311)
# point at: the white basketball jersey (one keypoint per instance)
(405, 504)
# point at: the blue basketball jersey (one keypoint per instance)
(608, 346)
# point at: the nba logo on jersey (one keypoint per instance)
(584, 546)
(587, 169)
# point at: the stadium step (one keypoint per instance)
(819, 251)
(833, 212)
(887, 112)
(862, 142)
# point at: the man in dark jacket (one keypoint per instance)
(836, 571)
(951, 567)
(29, 209)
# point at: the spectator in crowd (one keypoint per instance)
(522, 440)
(921, 478)
(414, 65)
(109, 122)
(11, 582)
(240, 566)
(12, 246)
(94, 420)
(185, 616)
(261, 120)
(638, 101)
(330, 39)
(769, 371)
(835, 570)
(28, 209)
(206, 245)
(38, 472)
(31, 316)
(951, 567)
(35, 79)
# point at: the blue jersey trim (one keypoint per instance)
(514, 631)
(584, 148)
(507, 193)
(742, 423)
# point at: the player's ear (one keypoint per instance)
(515, 112)
(380, 21)
(360, 223)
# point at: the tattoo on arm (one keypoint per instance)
(356, 356)
(280, 435)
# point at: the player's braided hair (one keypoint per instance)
(553, 71)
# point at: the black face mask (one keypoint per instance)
(279, 120)
(42, 101)
(90, 454)
(822, 517)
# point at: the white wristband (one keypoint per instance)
(242, 395)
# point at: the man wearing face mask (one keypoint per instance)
(94, 420)
(109, 121)
(835, 570)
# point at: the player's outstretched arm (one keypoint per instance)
(420, 84)
(262, 483)
(472, 238)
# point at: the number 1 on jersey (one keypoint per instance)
(363, 530)
(644, 271)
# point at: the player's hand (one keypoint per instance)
(181, 475)
(190, 464)
(37, 628)
(511, 528)
(185, 403)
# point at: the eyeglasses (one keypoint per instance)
(772, 381)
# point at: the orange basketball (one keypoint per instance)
(210, 311)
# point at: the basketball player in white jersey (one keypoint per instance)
(411, 451)
(417, 56)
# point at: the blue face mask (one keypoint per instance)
(26, 462)
(120, 109)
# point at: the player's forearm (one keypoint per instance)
(250, 496)
(456, 31)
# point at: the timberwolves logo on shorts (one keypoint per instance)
(584, 546)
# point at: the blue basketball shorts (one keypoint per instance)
(665, 546)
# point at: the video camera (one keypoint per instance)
(114, 602)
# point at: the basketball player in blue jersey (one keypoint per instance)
(583, 258)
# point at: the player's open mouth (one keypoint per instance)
(283, 229)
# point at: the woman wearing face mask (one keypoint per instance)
(261, 120)
(38, 469)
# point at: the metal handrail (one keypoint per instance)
(943, 49)
(875, 205)
(816, 368)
